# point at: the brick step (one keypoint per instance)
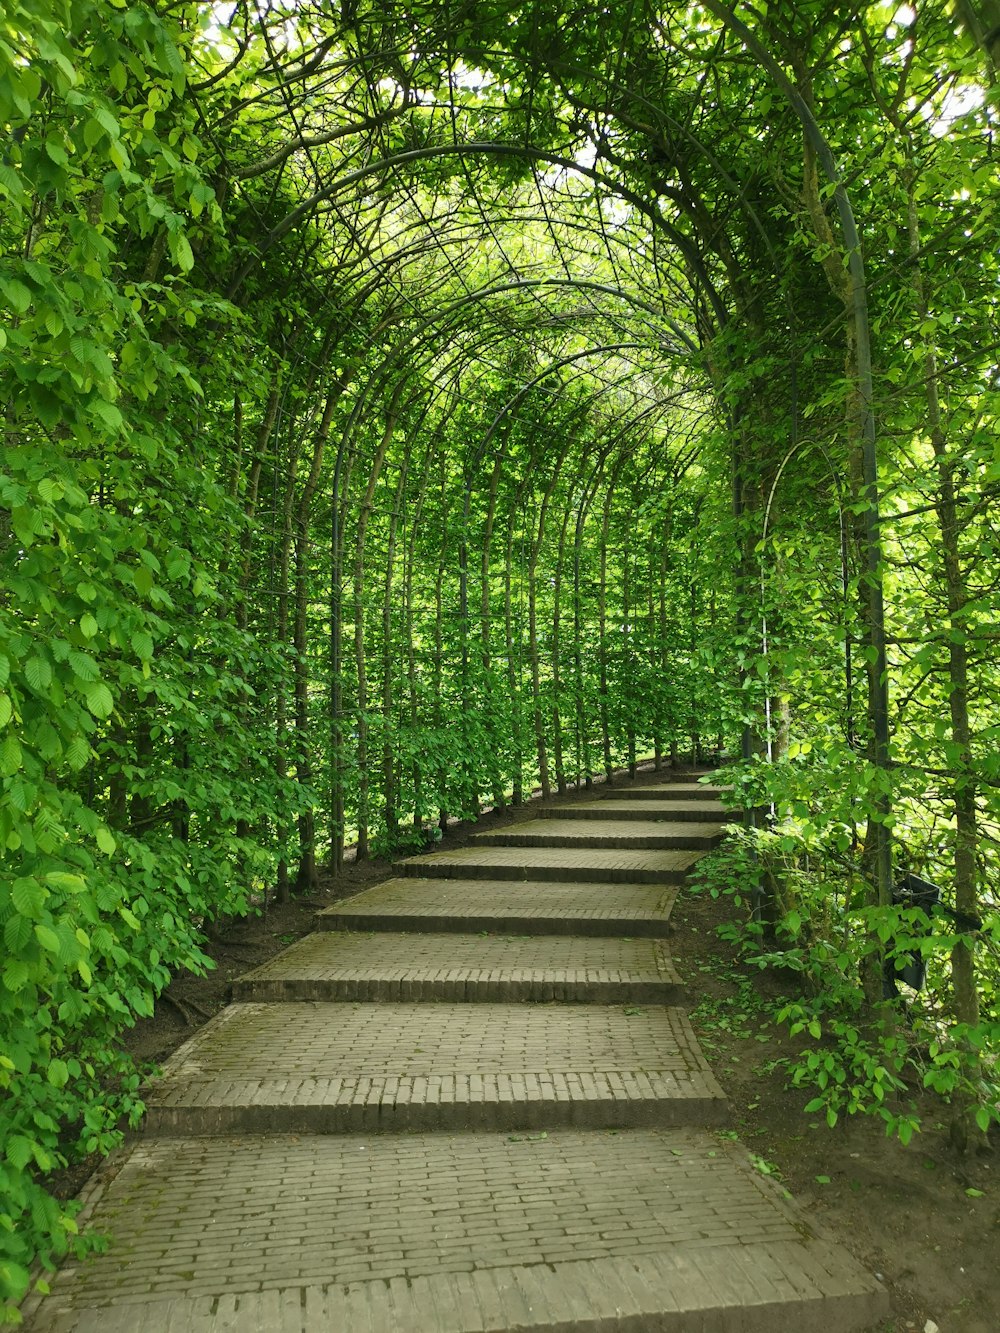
(553, 865)
(403, 969)
(312, 1068)
(606, 833)
(664, 791)
(686, 812)
(472, 1233)
(533, 908)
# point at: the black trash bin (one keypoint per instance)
(911, 891)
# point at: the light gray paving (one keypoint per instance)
(416, 904)
(412, 967)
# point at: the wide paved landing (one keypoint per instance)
(557, 864)
(663, 791)
(468, 1231)
(707, 812)
(606, 832)
(410, 967)
(295, 1067)
(538, 907)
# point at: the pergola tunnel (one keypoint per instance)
(412, 408)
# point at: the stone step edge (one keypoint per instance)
(336, 918)
(589, 1101)
(667, 791)
(619, 812)
(752, 1288)
(554, 874)
(694, 841)
(484, 990)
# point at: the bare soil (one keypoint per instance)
(903, 1212)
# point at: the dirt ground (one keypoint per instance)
(904, 1212)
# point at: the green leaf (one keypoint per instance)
(57, 1073)
(142, 645)
(78, 752)
(84, 666)
(19, 1151)
(6, 710)
(88, 625)
(99, 699)
(17, 933)
(974, 1193)
(10, 756)
(13, 1277)
(62, 879)
(17, 294)
(48, 939)
(28, 896)
(38, 673)
(105, 840)
(56, 152)
(15, 975)
(107, 413)
(180, 249)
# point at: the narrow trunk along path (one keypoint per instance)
(470, 1102)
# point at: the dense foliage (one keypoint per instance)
(410, 405)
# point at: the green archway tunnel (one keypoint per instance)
(395, 404)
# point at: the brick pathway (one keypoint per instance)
(658, 791)
(537, 907)
(337, 1209)
(409, 1126)
(555, 864)
(625, 834)
(688, 811)
(406, 967)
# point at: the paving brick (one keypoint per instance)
(555, 864)
(578, 1176)
(312, 1067)
(605, 834)
(681, 811)
(664, 791)
(459, 905)
(348, 966)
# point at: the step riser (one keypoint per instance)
(665, 793)
(663, 842)
(304, 1308)
(453, 1117)
(621, 811)
(508, 925)
(425, 869)
(352, 990)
